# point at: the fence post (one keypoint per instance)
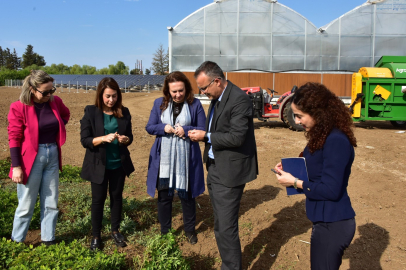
(69, 86)
(86, 87)
(77, 86)
(61, 87)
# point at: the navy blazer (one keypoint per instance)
(91, 126)
(156, 127)
(329, 169)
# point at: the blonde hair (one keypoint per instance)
(35, 79)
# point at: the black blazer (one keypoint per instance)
(233, 139)
(91, 126)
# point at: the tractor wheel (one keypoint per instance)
(289, 118)
(398, 124)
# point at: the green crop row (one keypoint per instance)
(61, 256)
(69, 174)
(73, 232)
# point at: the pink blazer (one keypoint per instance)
(23, 132)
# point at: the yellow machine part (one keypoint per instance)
(356, 89)
(379, 90)
(372, 72)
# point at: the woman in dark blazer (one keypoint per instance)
(175, 162)
(329, 156)
(105, 132)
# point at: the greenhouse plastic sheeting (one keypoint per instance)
(266, 35)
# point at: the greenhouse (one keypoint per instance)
(265, 35)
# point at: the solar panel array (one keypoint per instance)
(124, 81)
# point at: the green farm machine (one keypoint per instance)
(379, 93)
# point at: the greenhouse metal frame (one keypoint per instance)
(265, 35)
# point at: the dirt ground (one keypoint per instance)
(274, 229)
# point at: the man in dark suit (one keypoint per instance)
(230, 155)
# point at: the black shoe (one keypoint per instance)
(48, 243)
(95, 243)
(191, 237)
(118, 239)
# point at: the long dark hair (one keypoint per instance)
(176, 76)
(327, 111)
(109, 82)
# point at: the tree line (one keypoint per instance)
(17, 68)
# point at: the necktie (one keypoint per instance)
(215, 105)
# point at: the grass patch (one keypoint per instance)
(162, 252)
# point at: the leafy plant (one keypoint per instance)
(75, 213)
(60, 256)
(70, 174)
(8, 206)
(5, 165)
(75, 204)
(162, 253)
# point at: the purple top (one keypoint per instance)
(48, 128)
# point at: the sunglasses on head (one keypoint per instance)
(45, 93)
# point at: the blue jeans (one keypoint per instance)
(43, 180)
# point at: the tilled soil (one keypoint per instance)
(274, 229)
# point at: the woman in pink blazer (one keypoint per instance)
(36, 132)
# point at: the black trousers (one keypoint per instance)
(165, 211)
(114, 182)
(328, 242)
(226, 205)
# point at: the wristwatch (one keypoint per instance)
(205, 138)
(295, 183)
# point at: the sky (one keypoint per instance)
(101, 32)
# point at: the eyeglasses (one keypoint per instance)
(204, 88)
(45, 93)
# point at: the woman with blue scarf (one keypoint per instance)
(175, 162)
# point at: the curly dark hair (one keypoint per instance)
(327, 111)
(176, 76)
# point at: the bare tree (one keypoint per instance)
(160, 62)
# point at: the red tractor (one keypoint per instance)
(264, 109)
